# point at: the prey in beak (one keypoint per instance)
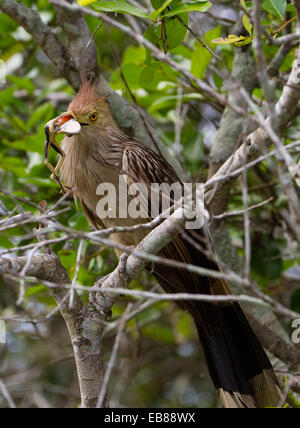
(64, 124)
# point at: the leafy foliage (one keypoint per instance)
(276, 7)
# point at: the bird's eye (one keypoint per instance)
(94, 116)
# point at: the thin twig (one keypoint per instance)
(78, 263)
(7, 395)
(242, 212)
(113, 358)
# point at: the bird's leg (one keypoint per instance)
(64, 124)
(50, 142)
(55, 171)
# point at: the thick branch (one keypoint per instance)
(80, 43)
(44, 36)
(83, 323)
(131, 266)
(232, 124)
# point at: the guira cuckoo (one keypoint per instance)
(96, 150)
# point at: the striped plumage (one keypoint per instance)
(239, 367)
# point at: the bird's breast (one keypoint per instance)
(100, 188)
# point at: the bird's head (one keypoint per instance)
(87, 111)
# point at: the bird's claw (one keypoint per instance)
(67, 190)
(95, 298)
(122, 268)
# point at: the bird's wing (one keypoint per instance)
(95, 221)
(142, 165)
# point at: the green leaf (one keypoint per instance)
(135, 55)
(266, 260)
(31, 291)
(5, 243)
(42, 113)
(40, 182)
(148, 76)
(22, 83)
(199, 6)
(14, 164)
(156, 4)
(130, 72)
(201, 56)
(32, 143)
(6, 96)
(153, 74)
(291, 8)
(160, 333)
(294, 400)
(85, 2)
(246, 20)
(174, 33)
(171, 101)
(276, 7)
(120, 7)
(151, 35)
(79, 222)
(233, 39)
(247, 24)
(200, 60)
(154, 15)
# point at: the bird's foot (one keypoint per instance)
(64, 190)
(99, 301)
(99, 298)
(122, 268)
(67, 190)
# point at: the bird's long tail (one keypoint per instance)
(238, 364)
(239, 367)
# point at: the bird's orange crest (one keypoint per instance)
(87, 97)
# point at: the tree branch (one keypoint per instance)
(45, 38)
(133, 264)
(80, 43)
(83, 323)
(232, 125)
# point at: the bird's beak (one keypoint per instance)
(64, 124)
